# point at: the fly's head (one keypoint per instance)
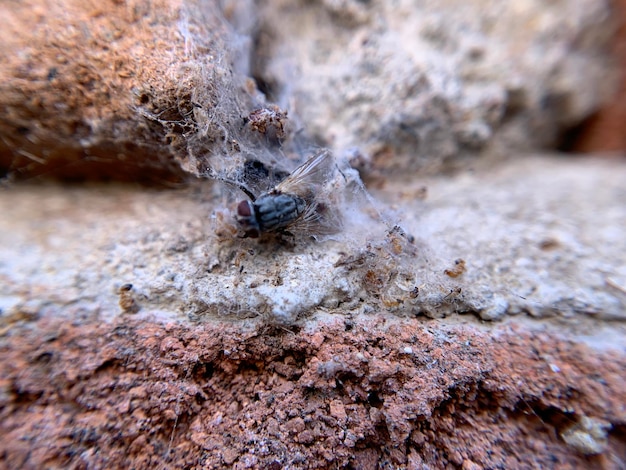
(247, 220)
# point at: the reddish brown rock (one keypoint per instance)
(109, 395)
(106, 89)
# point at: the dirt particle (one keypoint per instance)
(127, 301)
(295, 425)
(338, 411)
(457, 270)
(589, 436)
(229, 455)
(469, 465)
(306, 437)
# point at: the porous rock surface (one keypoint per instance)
(425, 86)
(540, 236)
(605, 131)
(473, 321)
(371, 393)
(155, 90)
(113, 90)
(133, 334)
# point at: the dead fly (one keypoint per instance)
(298, 203)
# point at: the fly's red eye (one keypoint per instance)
(244, 209)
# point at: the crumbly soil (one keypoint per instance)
(370, 393)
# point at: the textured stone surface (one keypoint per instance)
(97, 373)
(138, 90)
(373, 393)
(137, 331)
(543, 237)
(116, 90)
(425, 85)
(606, 130)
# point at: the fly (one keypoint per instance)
(297, 203)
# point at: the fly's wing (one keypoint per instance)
(320, 218)
(308, 177)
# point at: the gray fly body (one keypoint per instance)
(299, 203)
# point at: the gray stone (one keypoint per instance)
(540, 236)
(427, 85)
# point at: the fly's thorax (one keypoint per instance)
(276, 211)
